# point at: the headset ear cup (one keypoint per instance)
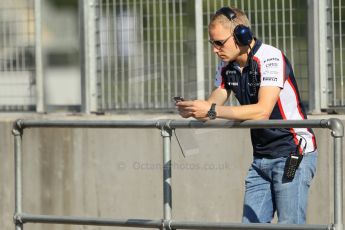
(243, 35)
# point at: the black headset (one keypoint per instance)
(243, 35)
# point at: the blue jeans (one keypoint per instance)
(267, 192)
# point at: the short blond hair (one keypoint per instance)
(220, 18)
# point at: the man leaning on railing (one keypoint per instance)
(262, 80)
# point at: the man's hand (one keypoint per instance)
(197, 109)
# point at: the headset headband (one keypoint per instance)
(228, 12)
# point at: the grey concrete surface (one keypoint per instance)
(117, 173)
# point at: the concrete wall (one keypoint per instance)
(117, 173)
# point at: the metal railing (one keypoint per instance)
(166, 127)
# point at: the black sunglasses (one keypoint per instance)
(219, 43)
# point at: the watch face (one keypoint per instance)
(212, 114)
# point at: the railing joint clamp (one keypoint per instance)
(17, 218)
(336, 126)
(166, 131)
(17, 129)
(166, 225)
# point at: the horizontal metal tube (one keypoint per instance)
(74, 220)
(249, 124)
(172, 124)
(144, 223)
(86, 124)
(209, 225)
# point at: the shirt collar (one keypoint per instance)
(256, 46)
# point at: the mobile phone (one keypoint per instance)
(177, 99)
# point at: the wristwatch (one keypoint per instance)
(212, 114)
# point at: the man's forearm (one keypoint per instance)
(218, 96)
(244, 112)
(268, 97)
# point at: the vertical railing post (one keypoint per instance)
(40, 102)
(17, 133)
(199, 42)
(317, 55)
(338, 180)
(87, 23)
(338, 133)
(166, 134)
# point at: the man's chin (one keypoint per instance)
(225, 59)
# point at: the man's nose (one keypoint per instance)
(215, 49)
